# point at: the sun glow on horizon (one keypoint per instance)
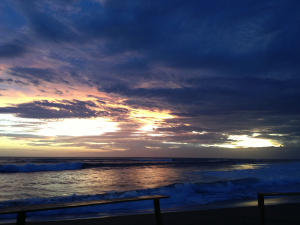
(65, 127)
(251, 142)
(150, 120)
(140, 113)
(78, 127)
(244, 141)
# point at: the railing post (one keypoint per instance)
(261, 209)
(21, 216)
(157, 212)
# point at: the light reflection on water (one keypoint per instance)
(121, 175)
(248, 166)
(101, 180)
(84, 182)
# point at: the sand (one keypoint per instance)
(284, 214)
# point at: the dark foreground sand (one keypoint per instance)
(275, 214)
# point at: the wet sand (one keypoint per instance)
(274, 214)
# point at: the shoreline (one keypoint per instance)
(275, 215)
(234, 208)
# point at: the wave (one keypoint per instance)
(40, 167)
(35, 165)
(11, 168)
(181, 195)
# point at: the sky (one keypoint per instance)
(115, 78)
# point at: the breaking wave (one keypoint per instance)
(40, 164)
(11, 168)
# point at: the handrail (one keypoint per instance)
(22, 210)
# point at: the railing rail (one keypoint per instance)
(22, 210)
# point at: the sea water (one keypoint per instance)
(188, 182)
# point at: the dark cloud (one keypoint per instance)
(45, 24)
(51, 29)
(58, 92)
(217, 96)
(100, 100)
(224, 36)
(29, 73)
(36, 75)
(64, 81)
(227, 36)
(21, 83)
(3, 80)
(61, 109)
(11, 50)
(35, 82)
(220, 67)
(135, 64)
(55, 109)
(143, 104)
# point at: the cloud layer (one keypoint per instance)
(215, 68)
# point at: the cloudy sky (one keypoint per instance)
(150, 78)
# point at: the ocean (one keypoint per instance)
(189, 182)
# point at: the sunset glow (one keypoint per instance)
(115, 78)
(77, 127)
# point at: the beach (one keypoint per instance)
(274, 215)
